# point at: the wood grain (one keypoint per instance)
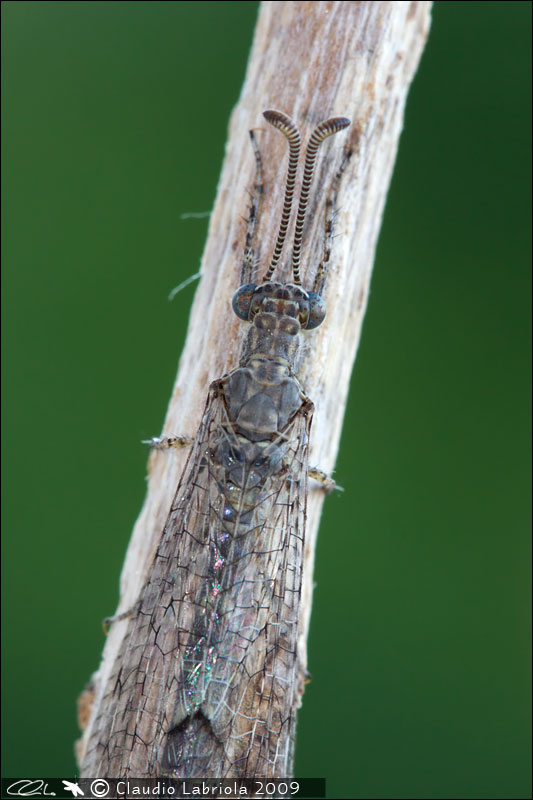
(311, 60)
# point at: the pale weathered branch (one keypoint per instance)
(311, 60)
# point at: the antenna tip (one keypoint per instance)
(338, 123)
(272, 113)
(278, 118)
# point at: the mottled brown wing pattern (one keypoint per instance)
(208, 665)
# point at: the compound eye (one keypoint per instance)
(242, 300)
(317, 310)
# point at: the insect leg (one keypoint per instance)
(249, 255)
(166, 442)
(327, 484)
(331, 202)
(108, 621)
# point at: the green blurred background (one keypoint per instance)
(420, 643)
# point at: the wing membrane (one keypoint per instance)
(209, 662)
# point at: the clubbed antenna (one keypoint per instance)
(289, 129)
(321, 132)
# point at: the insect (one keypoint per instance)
(208, 678)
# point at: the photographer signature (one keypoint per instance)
(26, 788)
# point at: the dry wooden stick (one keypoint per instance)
(311, 60)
